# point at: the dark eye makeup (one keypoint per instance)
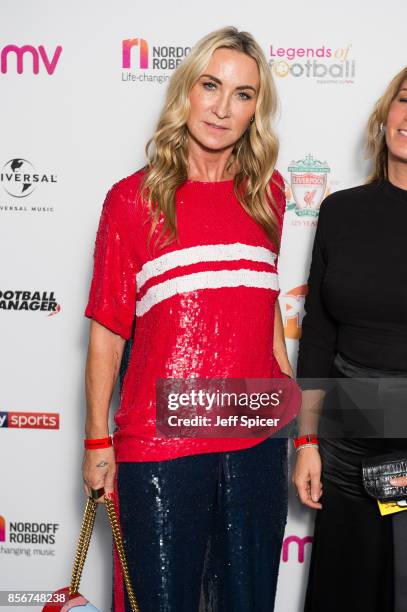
(210, 86)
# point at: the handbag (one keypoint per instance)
(69, 598)
(377, 473)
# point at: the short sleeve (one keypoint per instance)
(278, 191)
(278, 206)
(112, 296)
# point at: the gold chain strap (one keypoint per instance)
(88, 522)
(85, 535)
(117, 536)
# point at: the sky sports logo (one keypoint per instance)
(29, 420)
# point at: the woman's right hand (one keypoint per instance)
(307, 476)
(98, 470)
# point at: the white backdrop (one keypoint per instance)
(79, 125)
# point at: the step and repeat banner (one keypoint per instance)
(81, 87)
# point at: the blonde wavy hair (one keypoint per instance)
(376, 137)
(254, 154)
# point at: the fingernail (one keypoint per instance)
(315, 498)
(110, 495)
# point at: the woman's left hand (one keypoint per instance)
(399, 482)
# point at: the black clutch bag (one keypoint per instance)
(377, 473)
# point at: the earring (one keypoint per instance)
(252, 119)
(381, 127)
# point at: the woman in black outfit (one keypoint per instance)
(356, 326)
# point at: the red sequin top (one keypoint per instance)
(204, 305)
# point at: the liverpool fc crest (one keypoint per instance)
(308, 185)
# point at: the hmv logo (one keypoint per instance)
(26, 58)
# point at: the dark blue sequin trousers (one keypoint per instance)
(203, 533)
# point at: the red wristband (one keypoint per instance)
(96, 443)
(308, 439)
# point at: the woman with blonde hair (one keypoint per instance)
(185, 270)
(355, 326)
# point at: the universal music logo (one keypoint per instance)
(20, 179)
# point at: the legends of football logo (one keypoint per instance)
(322, 64)
(308, 186)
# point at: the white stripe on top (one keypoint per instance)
(201, 253)
(205, 280)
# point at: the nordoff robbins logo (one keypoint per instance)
(308, 185)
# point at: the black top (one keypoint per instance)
(357, 287)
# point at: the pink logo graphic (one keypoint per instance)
(301, 542)
(56, 311)
(36, 55)
(127, 46)
(2, 529)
